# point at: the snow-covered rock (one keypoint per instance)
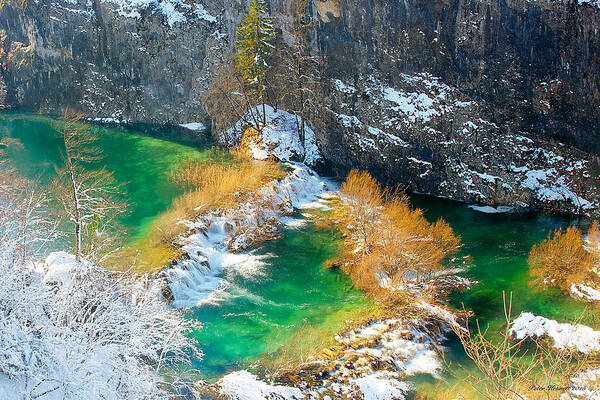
(492, 210)
(194, 126)
(585, 292)
(280, 137)
(242, 385)
(381, 386)
(565, 336)
(133, 8)
(584, 385)
(174, 11)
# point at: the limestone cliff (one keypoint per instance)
(491, 101)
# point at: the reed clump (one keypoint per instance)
(208, 186)
(388, 245)
(567, 257)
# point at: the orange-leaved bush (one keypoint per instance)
(567, 257)
(387, 243)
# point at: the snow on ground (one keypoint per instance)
(585, 385)
(69, 330)
(242, 385)
(566, 336)
(280, 137)
(217, 241)
(381, 385)
(492, 210)
(397, 344)
(585, 292)
(194, 126)
(372, 363)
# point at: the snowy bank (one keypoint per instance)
(217, 242)
(242, 385)
(194, 126)
(279, 137)
(492, 210)
(370, 362)
(565, 336)
(585, 292)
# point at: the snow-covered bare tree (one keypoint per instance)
(298, 69)
(71, 330)
(88, 196)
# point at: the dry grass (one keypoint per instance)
(565, 258)
(387, 243)
(208, 187)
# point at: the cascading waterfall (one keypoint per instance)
(200, 275)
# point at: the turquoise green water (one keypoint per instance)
(499, 245)
(259, 316)
(142, 163)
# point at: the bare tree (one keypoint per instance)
(72, 330)
(88, 197)
(511, 368)
(227, 101)
(298, 69)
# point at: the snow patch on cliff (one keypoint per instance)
(172, 10)
(591, 3)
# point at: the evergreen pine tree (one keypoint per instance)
(254, 44)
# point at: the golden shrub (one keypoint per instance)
(387, 243)
(208, 187)
(565, 258)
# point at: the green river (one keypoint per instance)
(260, 316)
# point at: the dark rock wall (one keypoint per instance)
(458, 98)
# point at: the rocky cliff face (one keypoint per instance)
(492, 101)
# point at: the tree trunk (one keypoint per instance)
(78, 241)
(77, 219)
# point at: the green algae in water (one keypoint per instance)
(141, 163)
(257, 317)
